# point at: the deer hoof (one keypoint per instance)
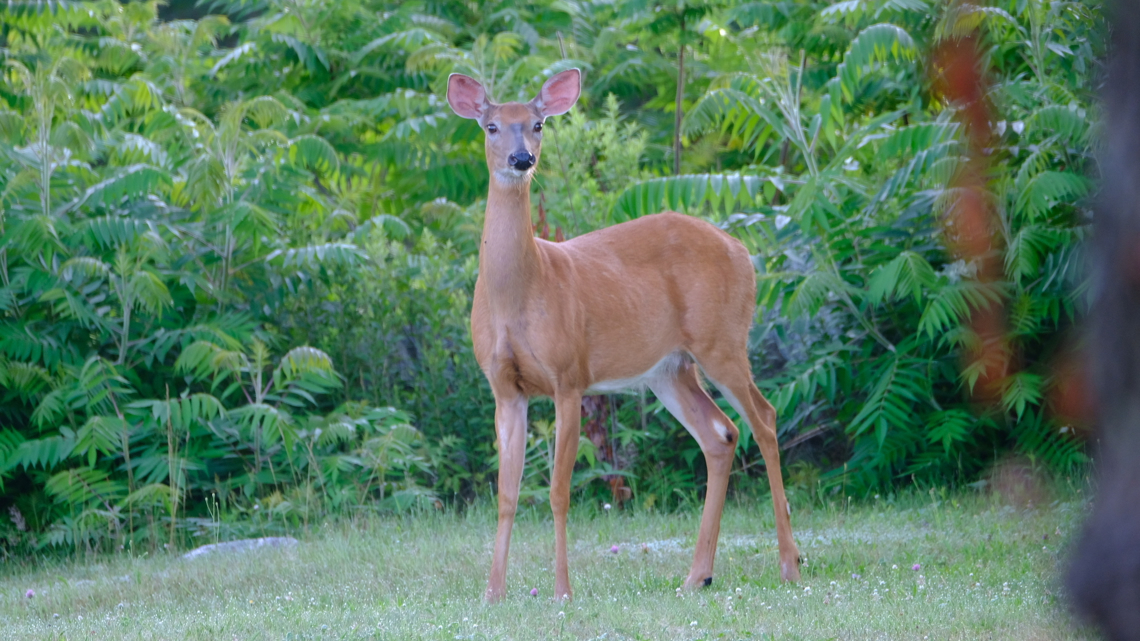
(790, 572)
(693, 584)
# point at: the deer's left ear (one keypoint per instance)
(559, 93)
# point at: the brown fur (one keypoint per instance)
(555, 319)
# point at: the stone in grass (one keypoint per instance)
(242, 545)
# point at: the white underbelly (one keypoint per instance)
(664, 368)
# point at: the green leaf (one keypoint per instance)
(1047, 189)
(314, 152)
(99, 435)
(110, 231)
(46, 452)
(301, 360)
(1027, 249)
(1068, 124)
(950, 427)
(134, 181)
(149, 290)
(1021, 390)
(900, 384)
(874, 45)
(908, 273)
(916, 138)
(813, 292)
(182, 413)
(84, 485)
(686, 193)
(952, 303)
(316, 255)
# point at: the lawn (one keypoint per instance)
(925, 566)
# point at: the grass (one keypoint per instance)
(987, 571)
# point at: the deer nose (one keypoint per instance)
(521, 160)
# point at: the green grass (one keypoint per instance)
(987, 572)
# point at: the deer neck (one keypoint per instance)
(508, 255)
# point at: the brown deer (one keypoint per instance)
(648, 303)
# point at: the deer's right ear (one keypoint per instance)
(466, 96)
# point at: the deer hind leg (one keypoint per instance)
(735, 383)
(686, 400)
(510, 423)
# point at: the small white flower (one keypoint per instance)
(607, 507)
(693, 624)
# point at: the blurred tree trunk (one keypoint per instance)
(1105, 574)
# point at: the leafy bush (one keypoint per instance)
(870, 311)
(237, 254)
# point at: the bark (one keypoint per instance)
(1104, 576)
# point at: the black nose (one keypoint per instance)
(521, 160)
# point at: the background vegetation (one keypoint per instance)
(237, 250)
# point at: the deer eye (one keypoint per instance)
(538, 126)
(492, 128)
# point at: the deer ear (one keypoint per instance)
(466, 96)
(559, 93)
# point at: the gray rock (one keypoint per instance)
(243, 545)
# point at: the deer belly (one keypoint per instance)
(665, 368)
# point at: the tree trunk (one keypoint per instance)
(1104, 577)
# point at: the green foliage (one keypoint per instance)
(148, 238)
(590, 163)
(230, 246)
(855, 266)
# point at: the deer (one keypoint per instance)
(659, 302)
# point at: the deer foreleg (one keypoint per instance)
(568, 409)
(510, 423)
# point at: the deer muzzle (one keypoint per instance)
(521, 160)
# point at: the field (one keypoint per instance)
(923, 566)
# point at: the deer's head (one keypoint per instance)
(513, 130)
